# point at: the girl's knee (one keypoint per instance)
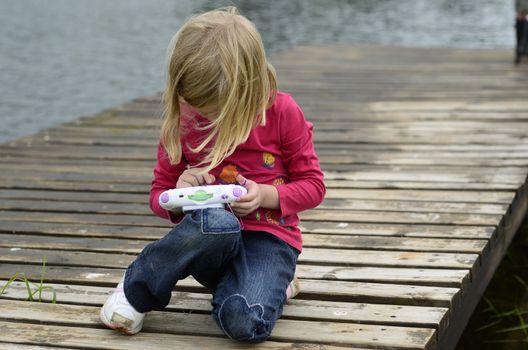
(241, 321)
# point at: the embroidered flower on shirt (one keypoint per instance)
(278, 181)
(268, 160)
(257, 215)
(228, 174)
(271, 217)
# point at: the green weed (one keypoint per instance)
(34, 290)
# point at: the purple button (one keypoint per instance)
(164, 197)
(237, 192)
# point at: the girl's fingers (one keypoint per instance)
(241, 211)
(200, 179)
(190, 179)
(242, 181)
(247, 198)
(185, 184)
(196, 179)
(251, 193)
(244, 205)
(210, 179)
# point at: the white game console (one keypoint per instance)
(200, 197)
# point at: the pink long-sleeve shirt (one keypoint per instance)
(281, 154)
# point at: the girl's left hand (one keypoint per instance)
(249, 202)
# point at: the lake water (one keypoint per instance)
(61, 59)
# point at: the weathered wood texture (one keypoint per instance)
(425, 154)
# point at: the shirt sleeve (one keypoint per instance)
(165, 178)
(306, 188)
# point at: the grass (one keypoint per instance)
(34, 290)
(500, 321)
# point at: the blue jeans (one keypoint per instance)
(248, 272)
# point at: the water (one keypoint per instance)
(61, 59)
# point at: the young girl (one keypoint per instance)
(225, 123)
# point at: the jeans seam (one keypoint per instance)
(220, 317)
(215, 231)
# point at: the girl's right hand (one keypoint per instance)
(190, 178)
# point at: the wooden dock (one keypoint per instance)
(425, 153)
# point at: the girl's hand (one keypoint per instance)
(249, 202)
(190, 178)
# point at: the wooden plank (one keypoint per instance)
(10, 346)
(395, 243)
(502, 106)
(145, 170)
(387, 130)
(69, 196)
(400, 217)
(447, 277)
(117, 197)
(442, 177)
(456, 278)
(8, 160)
(474, 160)
(428, 180)
(445, 175)
(319, 215)
(123, 124)
(50, 175)
(388, 258)
(422, 185)
(114, 187)
(310, 255)
(396, 315)
(40, 148)
(320, 289)
(404, 147)
(40, 184)
(96, 229)
(196, 324)
(24, 199)
(407, 230)
(91, 338)
(428, 173)
(105, 136)
(412, 206)
(438, 196)
(333, 148)
(124, 244)
(120, 206)
(454, 160)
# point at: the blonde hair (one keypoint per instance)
(217, 59)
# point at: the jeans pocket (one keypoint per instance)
(219, 221)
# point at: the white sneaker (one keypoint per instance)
(293, 289)
(118, 314)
